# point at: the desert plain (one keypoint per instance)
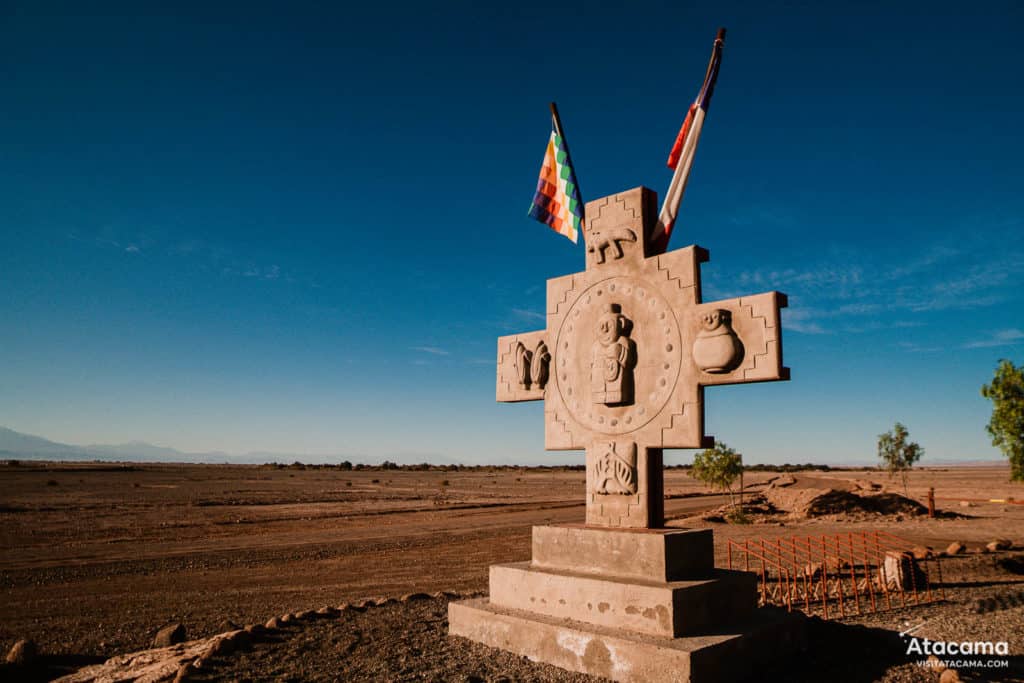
(98, 556)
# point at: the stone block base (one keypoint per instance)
(673, 608)
(647, 554)
(620, 655)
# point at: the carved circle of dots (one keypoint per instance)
(658, 355)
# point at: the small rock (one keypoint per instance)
(184, 672)
(344, 606)
(305, 615)
(273, 623)
(255, 629)
(220, 646)
(327, 612)
(22, 652)
(172, 634)
(286, 618)
(1000, 544)
(949, 676)
(240, 639)
(813, 569)
(921, 553)
(956, 548)
(966, 504)
(228, 625)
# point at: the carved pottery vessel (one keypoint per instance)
(717, 349)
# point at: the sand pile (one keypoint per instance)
(817, 502)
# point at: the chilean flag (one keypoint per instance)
(685, 148)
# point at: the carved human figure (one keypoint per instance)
(613, 357)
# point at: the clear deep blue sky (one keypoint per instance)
(300, 227)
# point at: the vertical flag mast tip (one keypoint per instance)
(557, 120)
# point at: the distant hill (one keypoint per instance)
(15, 445)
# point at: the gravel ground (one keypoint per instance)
(409, 642)
(394, 642)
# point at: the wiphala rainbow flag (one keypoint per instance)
(557, 202)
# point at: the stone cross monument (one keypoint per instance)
(621, 367)
(627, 352)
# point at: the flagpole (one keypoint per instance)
(557, 120)
(682, 161)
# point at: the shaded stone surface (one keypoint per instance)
(667, 609)
(621, 655)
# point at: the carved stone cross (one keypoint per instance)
(627, 352)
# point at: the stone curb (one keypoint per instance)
(178, 662)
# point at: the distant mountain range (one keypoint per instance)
(15, 445)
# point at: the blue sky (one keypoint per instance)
(300, 227)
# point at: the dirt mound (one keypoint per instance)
(811, 502)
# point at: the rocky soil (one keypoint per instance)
(95, 564)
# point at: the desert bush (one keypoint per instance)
(897, 453)
(737, 516)
(718, 467)
(1006, 426)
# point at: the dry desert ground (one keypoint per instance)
(97, 556)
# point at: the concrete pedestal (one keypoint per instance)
(629, 605)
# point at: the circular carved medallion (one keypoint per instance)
(617, 355)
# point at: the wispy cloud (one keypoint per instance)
(227, 261)
(526, 314)
(433, 350)
(801, 320)
(854, 290)
(1000, 338)
(272, 272)
(913, 347)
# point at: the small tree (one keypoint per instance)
(1007, 423)
(718, 467)
(898, 454)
